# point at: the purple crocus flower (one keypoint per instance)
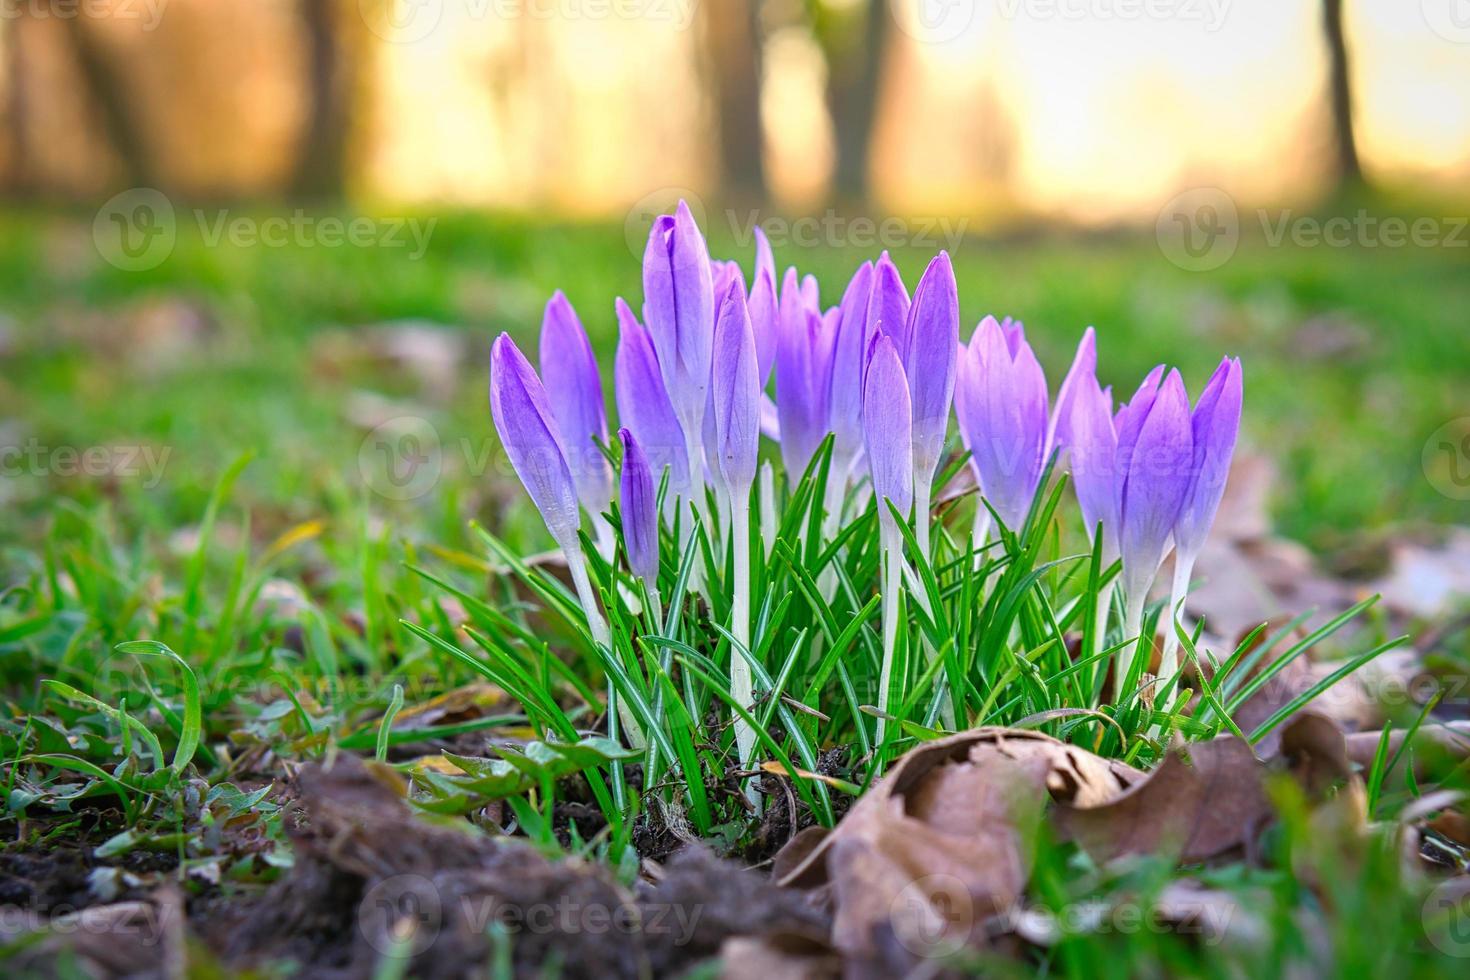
(574, 389)
(888, 428)
(639, 507)
(643, 404)
(803, 377)
(933, 333)
(765, 315)
(1154, 460)
(1002, 407)
(765, 259)
(848, 361)
(736, 390)
(1214, 426)
(678, 306)
(1084, 365)
(888, 307)
(529, 433)
(1094, 447)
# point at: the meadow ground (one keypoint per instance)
(240, 452)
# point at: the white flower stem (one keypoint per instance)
(1104, 613)
(740, 683)
(923, 496)
(768, 506)
(577, 565)
(891, 579)
(1140, 649)
(832, 501)
(980, 536)
(606, 540)
(1183, 571)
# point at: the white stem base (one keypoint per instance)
(1183, 571)
(740, 675)
(577, 565)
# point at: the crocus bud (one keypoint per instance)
(1214, 427)
(850, 350)
(639, 507)
(765, 314)
(1084, 365)
(803, 378)
(574, 389)
(888, 308)
(643, 404)
(1155, 455)
(765, 259)
(888, 428)
(1003, 415)
(1094, 448)
(929, 363)
(528, 431)
(736, 403)
(678, 293)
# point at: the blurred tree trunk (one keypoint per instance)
(1348, 169)
(733, 41)
(854, 66)
(321, 164)
(18, 177)
(106, 89)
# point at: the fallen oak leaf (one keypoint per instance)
(1208, 798)
(942, 842)
(1199, 802)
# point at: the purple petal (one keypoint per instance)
(639, 507)
(849, 350)
(1084, 363)
(1158, 478)
(678, 292)
(765, 261)
(929, 364)
(736, 393)
(1005, 421)
(1215, 425)
(1094, 449)
(888, 309)
(643, 405)
(811, 294)
(797, 404)
(764, 314)
(888, 427)
(528, 431)
(574, 388)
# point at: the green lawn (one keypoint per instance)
(1353, 356)
(201, 468)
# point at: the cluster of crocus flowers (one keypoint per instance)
(717, 364)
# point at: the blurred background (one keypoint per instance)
(1086, 111)
(292, 226)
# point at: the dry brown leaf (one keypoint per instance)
(943, 841)
(1199, 802)
(1210, 798)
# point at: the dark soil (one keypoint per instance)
(373, 880)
